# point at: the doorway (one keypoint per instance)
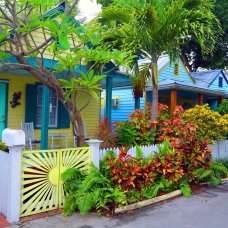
(3, 107)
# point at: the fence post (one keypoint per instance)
(15, 140)
(94, 145)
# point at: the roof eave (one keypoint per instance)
(189, 88)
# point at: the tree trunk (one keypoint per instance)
(155, 103)
(77, 127)
(155, 88)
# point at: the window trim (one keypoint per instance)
(220, 82)
(56, 112)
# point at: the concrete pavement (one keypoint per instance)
(208, 209)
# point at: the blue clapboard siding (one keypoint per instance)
(168, 73)
(215, 84)
(127, 104)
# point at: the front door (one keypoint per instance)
(2, 107)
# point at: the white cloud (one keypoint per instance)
(88, 9)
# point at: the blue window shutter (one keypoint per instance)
(31, 103)
(220, 82)
(63, 116)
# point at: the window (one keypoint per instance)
(220, 83)
(115, 102)
(176, 69)
(53, 108)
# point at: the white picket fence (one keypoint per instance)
(4, 181)
(132, 151)
(219, 150)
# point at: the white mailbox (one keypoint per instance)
(13, 137)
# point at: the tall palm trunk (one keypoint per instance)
(155, 88)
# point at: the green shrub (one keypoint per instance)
(94, 192)
(212, 175)
(223, 108)
(211, 125)
(3, 147)
(138, 130)
(133, 196)
(163, 185)
(224, 161)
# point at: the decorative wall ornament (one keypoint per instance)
(15, 102)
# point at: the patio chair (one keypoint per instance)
(30, 140)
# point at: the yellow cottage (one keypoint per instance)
(21, 101)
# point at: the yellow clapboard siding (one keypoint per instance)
(39, 38)
(16, 115)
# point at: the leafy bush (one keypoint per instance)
(105, 132)
(130, 173)
(93, 192)
(211, 125)
(163, 111)
(138, 130)
(161, 186)
(133, 196)
(223, 108)
(183, 137)
(3, 147)
(110, 154)
(224, 161)
(127, 135)
(168, 163)
(213, 174)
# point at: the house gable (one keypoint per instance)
(168, 73)
(216, 85)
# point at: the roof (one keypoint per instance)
(205, 78)
(163, 60)
(173, 84)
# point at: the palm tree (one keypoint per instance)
(154, 27)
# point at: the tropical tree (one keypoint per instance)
(218, 59)
(30, 30)
(154, 27)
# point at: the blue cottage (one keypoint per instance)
(176, 87)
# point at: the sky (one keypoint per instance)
(89, 9)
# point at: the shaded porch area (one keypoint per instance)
(187, 97)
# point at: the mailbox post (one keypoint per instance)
(15, 140)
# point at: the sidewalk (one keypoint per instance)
(208, 209)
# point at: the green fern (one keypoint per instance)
(213, 175)
(185, 187)
(153, 190)
(139, 152)
(94, 192)
(133, 196)
(165, 148)
(86, 202)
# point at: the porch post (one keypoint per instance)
(220, 100)
(200, 99)
(173, 102)
(108, 100)
(137, 103)
(44, 118)
(144, 101)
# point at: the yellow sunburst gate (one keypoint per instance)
(41, 186)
